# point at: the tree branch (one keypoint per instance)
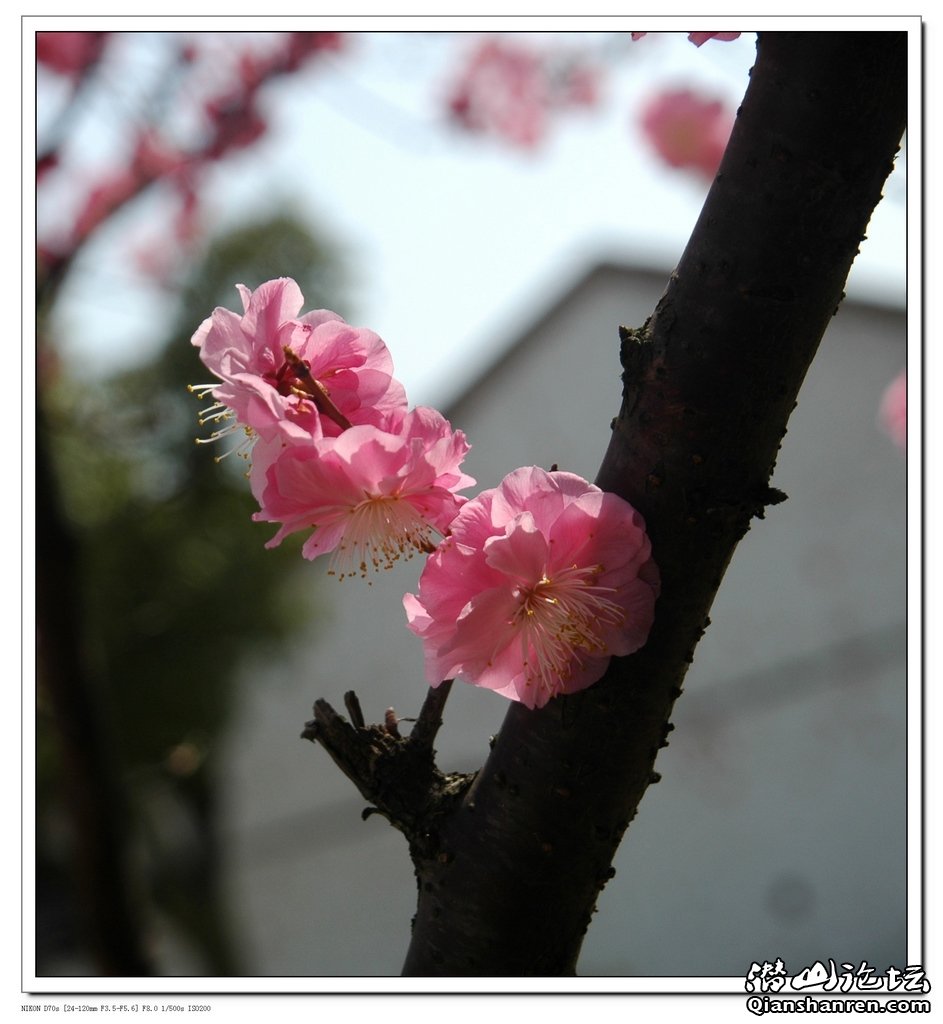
(510, 861)
(430, 716)
(510, 885)
(397, 775)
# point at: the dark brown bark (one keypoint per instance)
(510, 868)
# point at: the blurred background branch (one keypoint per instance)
(151, 585)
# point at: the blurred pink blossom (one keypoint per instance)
(539, 583)
(371, 495)
(575, 83)
(235, 123)
(510, 90)
(893, 410)
(232, 117)
(502, 91)
(299, 376)
(302, 45)
(687, 130)
(69, 53)
(698, 38)
(103, 199)
(153, 156)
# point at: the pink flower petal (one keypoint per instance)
(287, 374)
(699, 38)
(541, 581)
(371, 495)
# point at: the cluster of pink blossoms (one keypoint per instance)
(534, 585)
(333, 446)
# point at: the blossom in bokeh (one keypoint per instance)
(893, 410)
(539, 583)
(510, 90)
(699, 38)
(220, 77)
(113, 191)
(69, 53)
(298, 376)
(370, 495)
(687, 130)
(502, 91)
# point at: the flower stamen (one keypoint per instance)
(380, 530)
(220, 413)
(560, 619)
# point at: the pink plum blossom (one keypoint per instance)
(893, 410)
(699, 38)
(296, 376)
(370, 495)
(687, 130)
(539, 583)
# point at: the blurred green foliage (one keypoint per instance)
(176, 592)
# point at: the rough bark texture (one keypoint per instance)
(510, 863)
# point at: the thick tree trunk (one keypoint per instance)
(510, 862)
(514, 871)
